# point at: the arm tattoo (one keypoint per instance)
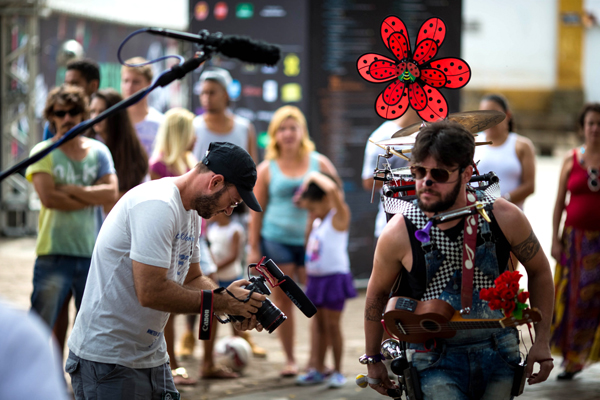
(526, 250)
(374, 308)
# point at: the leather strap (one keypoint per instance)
(469, 248)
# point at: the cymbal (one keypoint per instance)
(402, 141)
(473, 121)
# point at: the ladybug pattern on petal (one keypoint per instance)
(414, 77)
(392, 111)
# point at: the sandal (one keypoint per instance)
(219, 372)
(181, 377)
(289, 371)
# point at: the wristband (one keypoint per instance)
(365, 359)
(206, 313)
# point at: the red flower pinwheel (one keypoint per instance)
(415, 75)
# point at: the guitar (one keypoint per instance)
(416, 321)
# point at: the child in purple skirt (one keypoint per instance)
(328, 269)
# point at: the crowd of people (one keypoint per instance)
(139, 212)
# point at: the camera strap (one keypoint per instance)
(240, 300)
(206, 313)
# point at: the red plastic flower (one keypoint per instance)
(414, 75)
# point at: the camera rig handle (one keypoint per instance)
(275, 277)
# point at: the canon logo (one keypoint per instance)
(206, 320)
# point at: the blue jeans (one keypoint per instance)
(54, 277)
(479, 370)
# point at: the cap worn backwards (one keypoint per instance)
(219, 75)
(236, 166)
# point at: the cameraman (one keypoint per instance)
(146, 265)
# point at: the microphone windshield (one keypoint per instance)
(297, 296)
(251, 51)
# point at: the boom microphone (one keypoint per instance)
(297, 296)
(240, 47)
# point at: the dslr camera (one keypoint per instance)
(268, 315)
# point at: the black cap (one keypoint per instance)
(236, 166)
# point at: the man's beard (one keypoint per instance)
(206, 205)
(445, 203)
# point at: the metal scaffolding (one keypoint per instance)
(19, 48)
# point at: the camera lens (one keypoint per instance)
(269, 316)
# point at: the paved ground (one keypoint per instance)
(261, 379)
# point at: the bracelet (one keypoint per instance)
(365, 359)
(206, 313)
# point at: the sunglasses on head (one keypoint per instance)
(72, 112)
(440, 175)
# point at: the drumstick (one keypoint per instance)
(387, 148)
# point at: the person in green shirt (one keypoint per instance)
(69, 181)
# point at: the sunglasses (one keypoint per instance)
(440, 175)
(593, 183)
(72, 112)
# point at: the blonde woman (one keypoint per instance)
(173, 157)
(279, 232)
(174, 143)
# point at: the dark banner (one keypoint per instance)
(342, 114)
(259, 90)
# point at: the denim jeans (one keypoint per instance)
(479, 370)
(54, 277)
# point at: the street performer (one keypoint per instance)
(474, 364)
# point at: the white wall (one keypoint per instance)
(591, 64)
(510, 43)
(152, 13)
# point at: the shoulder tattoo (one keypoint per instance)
(374, 308)
(527, 249)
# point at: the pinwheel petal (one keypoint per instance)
(433, 77)
(416, 96)
(437, 107)
(398, 44)
(392, 102)
(457, 71)
(434, 29)
(376, 68)
(425, 51)
(391, 25)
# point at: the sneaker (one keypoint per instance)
(312, 377)
(337, 380)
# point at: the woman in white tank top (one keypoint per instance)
(510, 156)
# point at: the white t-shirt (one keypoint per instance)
(385, 131)
(149, 225)
(327, 248)
(204, 136)
(220, 238)
(148, 128)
